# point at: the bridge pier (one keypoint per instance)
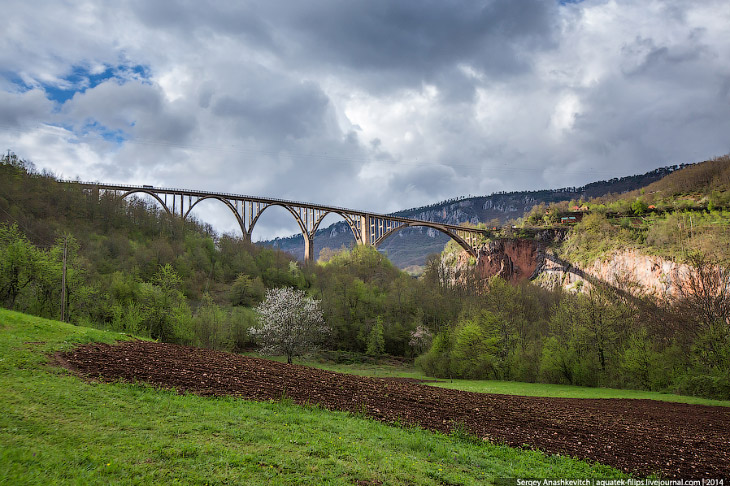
(308, 248)
(364, 231)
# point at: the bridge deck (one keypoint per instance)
(276, 201)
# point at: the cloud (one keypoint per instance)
(18, 109)
(372, 105)
(402, 43)
(289, 111)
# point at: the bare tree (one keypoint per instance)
(705, 302)
(291, 323)
(705, 291)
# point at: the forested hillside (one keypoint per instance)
(134, 269)
(131, 267)
(611, 332)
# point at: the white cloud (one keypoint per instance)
(374, 105)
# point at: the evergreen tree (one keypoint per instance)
(376, 341)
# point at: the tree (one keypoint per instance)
(290, 323)
(421, 339)
(475, 351)
(246, 291)
(165, 309)
(705, 301)
(17, 264)
(704, 291)
(376, 342)
(639, 207)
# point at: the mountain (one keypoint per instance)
(409, 248)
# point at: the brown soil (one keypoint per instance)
(640, 436)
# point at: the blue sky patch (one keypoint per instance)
(82, 78)
(93, 128)
(78, 81)
(13, 78)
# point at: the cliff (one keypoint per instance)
(628, 269)
(513, 260)
(517, 260)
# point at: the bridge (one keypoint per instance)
(367, 228)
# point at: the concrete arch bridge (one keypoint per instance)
(367, 228)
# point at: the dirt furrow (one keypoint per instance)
(640, 436)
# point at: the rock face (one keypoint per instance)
(629, 269)
(513, 260)
(556, 272)
(517, 260)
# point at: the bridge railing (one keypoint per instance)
(243, 197)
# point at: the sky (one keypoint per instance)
(367, 104)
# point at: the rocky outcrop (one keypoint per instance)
(517, 260)
(513, 260)
(627, 269)
(555, 272)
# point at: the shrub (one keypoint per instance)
(708, 386)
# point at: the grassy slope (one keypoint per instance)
(672, 233)
(56, 428)
(512, 387)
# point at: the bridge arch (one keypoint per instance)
(459, 240)
(149, 193)
(351, 223)
(308, 241)
(227, 203)
(309, 228)
(297, 218)
(367, 228)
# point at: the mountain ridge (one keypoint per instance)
(409, 248)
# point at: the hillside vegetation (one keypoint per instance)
(133, 269)
(678, 217)
(610, 336)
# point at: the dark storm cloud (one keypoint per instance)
(199, 20)
(650, 59)
(423, 181)
(407, 36)
(401, 43)
(136, 108)
(288, 111)
(381, 43)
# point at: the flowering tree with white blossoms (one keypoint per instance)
(291, 323)
(421, 339)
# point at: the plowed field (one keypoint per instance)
(639, 436)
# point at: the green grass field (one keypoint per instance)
(509, 387)
(58, 429)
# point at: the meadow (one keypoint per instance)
(57, 428)
(386, 370)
